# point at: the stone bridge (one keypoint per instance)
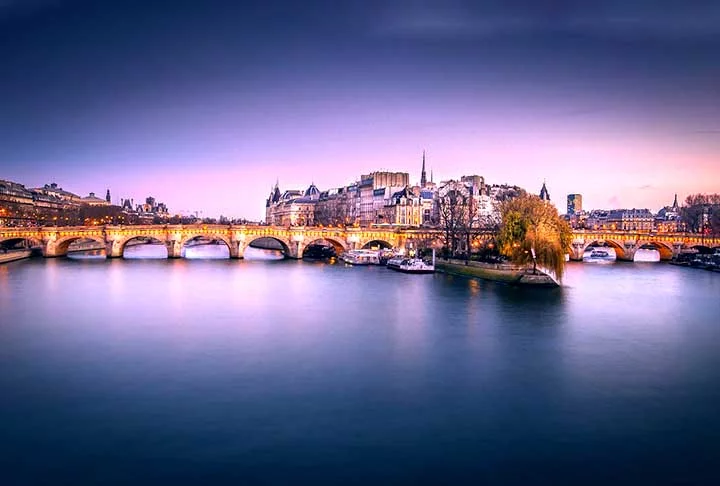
(627, 243)
(55, 241)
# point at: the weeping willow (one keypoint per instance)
(531, 225)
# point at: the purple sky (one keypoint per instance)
(204, 105)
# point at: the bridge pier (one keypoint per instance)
(236, 250)
(113, 249)
(174, 248)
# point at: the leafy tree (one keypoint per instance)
(532, 231)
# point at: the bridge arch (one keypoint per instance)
(62, 245)
(703, 249)
(185, 240)
(125, 243)
(339, 245)
(284, 245)
(14, 240)
(377, 244)
(666, 252)
(619, 249)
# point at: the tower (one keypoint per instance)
(423, 176)
(574, 204)
(675, 204)
(107, 196)
(544, 194)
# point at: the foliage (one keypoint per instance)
(692, 213)
(530, 224)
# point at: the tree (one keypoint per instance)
(532, 230)
(698, 212)
(452, 206)
(475, 223)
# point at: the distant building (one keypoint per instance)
(58, 192)
(21, 206)
(92, 200)
(293, 207)
(630, 220)
(597, 219)
(368, 187)
(404, 208)
(500, 193)
(667, 219)
(574, 204)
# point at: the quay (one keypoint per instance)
(497, 272)
(14, 255)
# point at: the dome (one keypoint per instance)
(312, 191)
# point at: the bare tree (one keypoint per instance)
(452, 206)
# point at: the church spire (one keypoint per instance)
(423, 176)
(544, 194)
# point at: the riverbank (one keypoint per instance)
(14, 255)
(504, 273)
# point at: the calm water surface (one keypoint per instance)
(259, 372)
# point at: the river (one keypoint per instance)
(287, 372)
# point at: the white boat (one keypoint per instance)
(599, 254)
(646, 255)
(412, 265)
(395, 262)
(361, 257)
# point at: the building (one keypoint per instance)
(368, 192)
(630, 220)
(404, 208)
(499, 193)
(50, 205)
(574, 204)
(293, 207)
(667, 220)
(58, 192)
(92, 200)
(335, 207)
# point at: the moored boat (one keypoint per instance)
(599, 254)
(395, 262)
(412, 265)
(361, 257)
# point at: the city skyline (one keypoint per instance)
(558, 200)
(144, 100)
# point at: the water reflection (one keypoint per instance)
(262, 254)
(87, 255)
(234, 368)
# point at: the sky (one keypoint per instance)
(205, 104)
